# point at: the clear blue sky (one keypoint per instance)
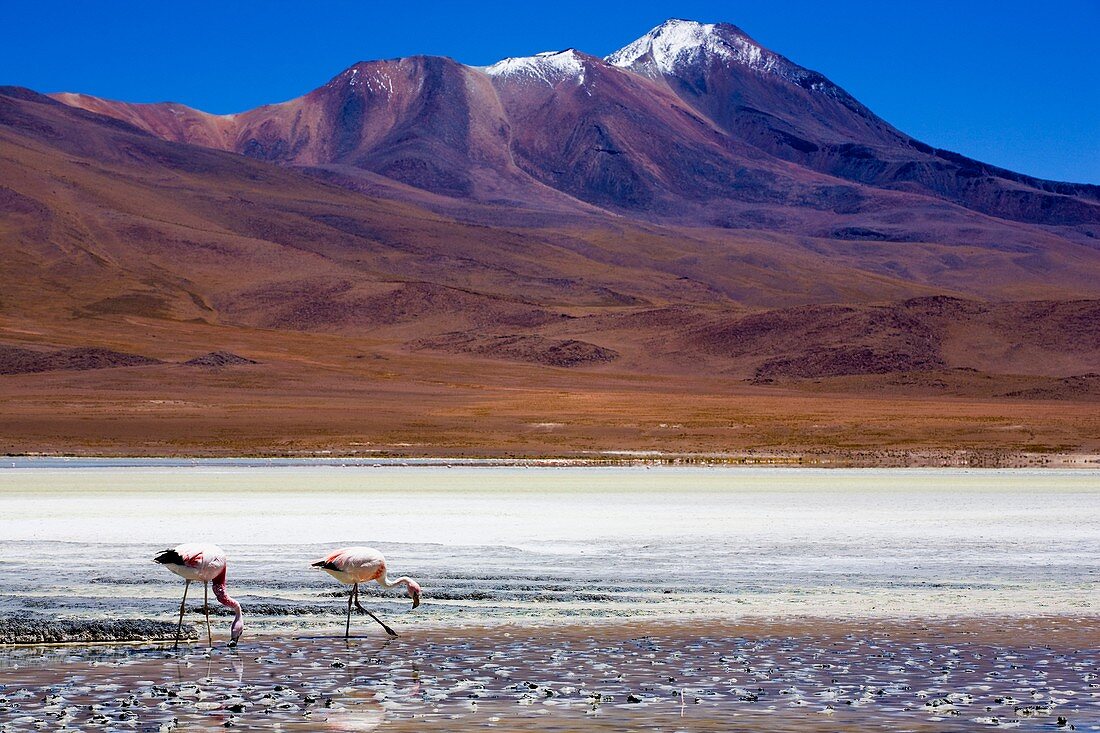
(1011, 82)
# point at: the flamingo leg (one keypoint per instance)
(351, 597)
(389, 631)
(179, 626)
(206, 608)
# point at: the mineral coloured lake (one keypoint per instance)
(639, 597)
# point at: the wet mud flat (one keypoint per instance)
(1030, 674)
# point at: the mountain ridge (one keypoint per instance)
(435, 124)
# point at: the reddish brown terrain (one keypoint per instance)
(692, 246)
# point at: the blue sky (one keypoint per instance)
(1012, 83)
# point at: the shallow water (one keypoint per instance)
(548, 545)
(1031, 675)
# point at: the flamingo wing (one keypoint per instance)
(193, 560)
(169, 557)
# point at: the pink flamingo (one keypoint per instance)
(205, 562)
(355, 565)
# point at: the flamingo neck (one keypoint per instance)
(237, 628)
(385, 581)
(219, 592)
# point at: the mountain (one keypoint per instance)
(764, 99)
(692, 214)
(691, 124)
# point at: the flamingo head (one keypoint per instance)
(414, 592)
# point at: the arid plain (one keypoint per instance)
(322, 395)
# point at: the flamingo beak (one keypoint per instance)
(416, 599)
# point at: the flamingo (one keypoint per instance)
(355, 565)
(205, 562)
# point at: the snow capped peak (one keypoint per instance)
(678, 43)
(549, 67)
(679, 46)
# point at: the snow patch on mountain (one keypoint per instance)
(676, 46)
(549, 67)
(374, 79)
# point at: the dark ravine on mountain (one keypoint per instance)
(693, 205)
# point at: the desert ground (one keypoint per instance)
(323, 394)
